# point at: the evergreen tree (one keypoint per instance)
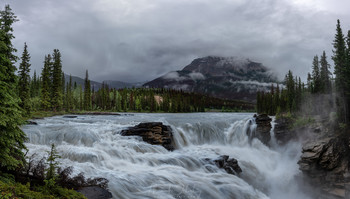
(290, 91)
(87, 92)
(45, 96)
(24, 81)
(35, 86)
(316, 77)
(63, 84)
(7, 19)
(69, 94)
(276, 99)
(11, 136)
(341, 70)
(57, 100)
(325, 74)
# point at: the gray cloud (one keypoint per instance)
(142, 39)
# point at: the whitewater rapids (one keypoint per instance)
(135, 169)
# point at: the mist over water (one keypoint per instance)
(135, 169)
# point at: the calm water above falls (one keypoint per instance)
(135, 169)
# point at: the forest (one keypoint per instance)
(325, 93)
(51, 92)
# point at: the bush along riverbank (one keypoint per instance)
(43, 178)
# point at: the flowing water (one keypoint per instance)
(135, 169)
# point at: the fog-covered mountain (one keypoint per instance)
(223, 77)
(97, 85)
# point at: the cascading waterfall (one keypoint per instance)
(135, 169)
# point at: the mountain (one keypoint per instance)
(223, 77)
(97, 85)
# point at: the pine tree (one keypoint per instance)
(45, 96)
(290, 91)
(35, 86)
(57, 100)
(325, 74)
(87, 92)
(24, 81)
(341, 70)
(63, 90)
(316, 77)
(69, 94)
(11, 136)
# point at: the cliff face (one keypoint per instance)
(326, 164)
(223, 77)
(325, 156)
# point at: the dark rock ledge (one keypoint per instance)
(326, 164)
(153, 133)
(263, 128)
(230, 165)
(29, 122)
(95, 192)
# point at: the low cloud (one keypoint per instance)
(136, 41)
(196, 76)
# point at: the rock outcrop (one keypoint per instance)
(29, 122)
(263, 128)
(153, 133)
(326, 164)
(95, 192)
(230, 165)
(283, 133)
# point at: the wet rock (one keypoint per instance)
(263, 128)
(230, 165)
(153, 133)
(326, 164)
(97, 113)
(31, 123)
(95, 192)
(70, 116)
(283, 133)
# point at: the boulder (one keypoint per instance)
(230, 165)
(153, 133)
(70, 116)
(28, 122)
(95, 192)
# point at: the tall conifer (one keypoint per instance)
(45, 96)
(24, 81)
(87, 92)
(341, 70)
(57, 100)
(11, 136)
(325, 74)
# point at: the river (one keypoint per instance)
(135, 169)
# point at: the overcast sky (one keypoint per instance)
(139, 40)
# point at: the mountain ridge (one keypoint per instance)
(224, 77)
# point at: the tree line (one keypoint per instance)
(73, 97)
(291, 96)
(50, 92)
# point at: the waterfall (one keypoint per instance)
(136, 169)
